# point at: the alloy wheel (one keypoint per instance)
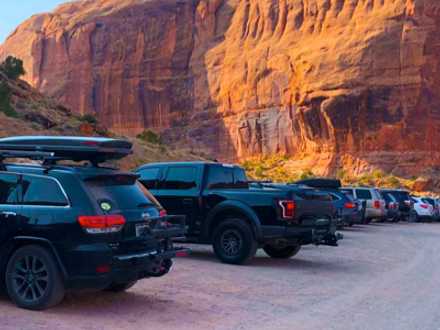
(30, 278)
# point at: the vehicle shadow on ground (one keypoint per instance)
(104, 303)
(262, 261)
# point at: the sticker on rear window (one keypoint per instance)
(105, 206)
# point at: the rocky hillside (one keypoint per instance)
(25, 111)
(330, 83)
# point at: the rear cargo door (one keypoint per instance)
(123, 194)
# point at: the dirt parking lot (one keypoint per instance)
(383, 276)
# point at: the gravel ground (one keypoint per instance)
(383, 276)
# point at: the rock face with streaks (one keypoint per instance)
(338, 82)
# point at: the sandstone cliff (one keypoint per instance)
(25, 111)
(328, 82)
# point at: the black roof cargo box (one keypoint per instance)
(96, 150)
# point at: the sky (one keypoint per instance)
(12, 13)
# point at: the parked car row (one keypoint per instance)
(67, 226)
(392, 205)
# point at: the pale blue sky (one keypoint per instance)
(12, 13)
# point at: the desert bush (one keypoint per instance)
(5, 100)
(150, 137)
(89, 119)
(12, 67)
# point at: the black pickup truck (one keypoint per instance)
(223, 209)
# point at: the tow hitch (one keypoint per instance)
(332, 239)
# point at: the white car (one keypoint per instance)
(423, 208)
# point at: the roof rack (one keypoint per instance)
(51, 149)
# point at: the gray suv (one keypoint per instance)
(374, 202)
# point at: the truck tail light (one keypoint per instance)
(287, 209)
(350, 205)
(376, 204)
(101, 224)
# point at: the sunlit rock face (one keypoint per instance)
(339, 82)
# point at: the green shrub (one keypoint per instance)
(12, 67)
(5, 101)
(306, 174)
(150, 137)
(89, 118)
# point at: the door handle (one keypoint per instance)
(9, 214)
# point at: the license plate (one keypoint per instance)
(142, 229)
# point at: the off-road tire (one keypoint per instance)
(234, 241)
(285, 252)
(33, 280)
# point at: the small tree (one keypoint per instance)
(12, 67)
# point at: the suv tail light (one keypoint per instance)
(163, 213)
(376, 204)
(288, 209)
(350, 205)
(101, 224)
(425, 206)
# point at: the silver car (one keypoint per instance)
(375, 205)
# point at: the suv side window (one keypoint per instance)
(150, 177)
(8, 189)
(220, 177)
(363, 194)
(42, 191)
(180, 178)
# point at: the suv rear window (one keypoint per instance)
(363, 194)
(42, 191)
(401, 196)
(121, 191)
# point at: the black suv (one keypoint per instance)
(222, 209)
(76, 227)
(406, 204)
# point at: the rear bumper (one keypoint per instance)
(350, 219)
(324, 232)
(371, 213)
(127, 268)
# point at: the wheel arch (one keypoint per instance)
(20, 241)
(229, 209)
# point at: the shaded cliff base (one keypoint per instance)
(350, 170)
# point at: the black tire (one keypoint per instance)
(234, 241)
(120, 287)
(285, 252)
(33, 280)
